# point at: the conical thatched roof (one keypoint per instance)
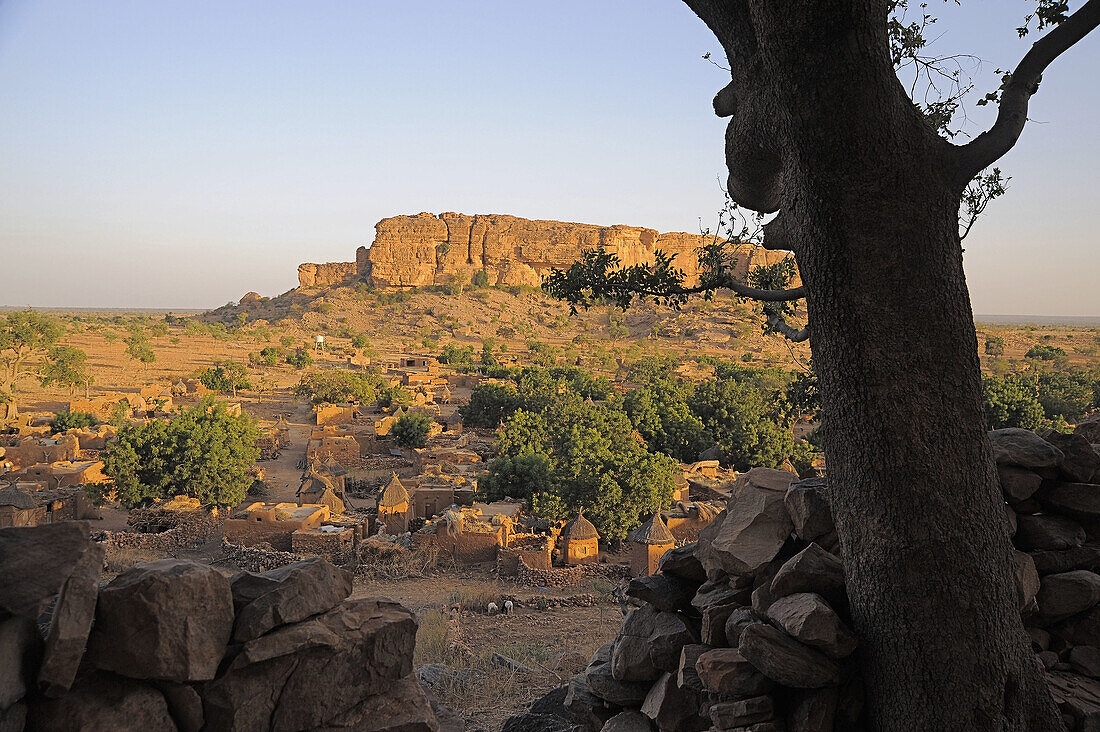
(653, 531)
(393, 494)
(580, 528)
(14, 496)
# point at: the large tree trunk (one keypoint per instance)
(822, 131)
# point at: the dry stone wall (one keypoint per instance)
(428, 249)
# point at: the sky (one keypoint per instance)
(181, 153)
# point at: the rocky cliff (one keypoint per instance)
(425, 249)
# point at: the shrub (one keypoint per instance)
(995, 346)
(480, 279)
(412, 430)
(299, 358)
(69, 420)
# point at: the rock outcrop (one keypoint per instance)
(423, 250)
(160, 654)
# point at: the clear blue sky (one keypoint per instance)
(181, 153)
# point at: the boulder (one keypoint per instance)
(671, 708)
(670, 634)
(1080, 463)
(687, 677)
(738, 620)
(18, 648)
(1085, 660)
(811, 570)
(1047, 532)
(583, 706)
(182, 613)
(104, 702)
(741, 713)
(718, 592)
(14, 718)
(630, 656)
(531, 722)
(286, 595)
(1082, 629)
(599, 680)
(1053, 562)
(1064, 595)
(184, 705)
(35, 561)
(1027, 579)
(756, 527)
(1089, 428)
(713, 629)
(1023, 448)
(1078, 698)
(70, 623)
(807, 502)
(785, 660)
(357, 649)
(664, 591)
(681, 562)
(768, 479)
(808, 618)
(1018, 484)
(813, 710)
(404, 706)
(1079, 500)
(725, 671)
(628, 721)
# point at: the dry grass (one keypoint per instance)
(382, 560)
(118, 560)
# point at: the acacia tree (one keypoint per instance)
(23, 334)
(867, 188)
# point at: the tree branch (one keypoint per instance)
(989, 146)
(776, 323)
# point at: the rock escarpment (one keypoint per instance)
(425, 249)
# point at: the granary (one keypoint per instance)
(648, 543)
(580, 542)
(394, 507)
(18, 508)
(320, 489)
(686, 519)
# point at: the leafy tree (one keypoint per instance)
(1048, 353)
(1066, 395)
(138, 348)
(1012, 401)
(268, 356)
(995, 346)
(63, 421)
(742, 420)
(299, 358)
(23, 334)
(868, 188)
(394, 397)
(455, 355)
(411, 430)
(225, 377)
(490, 404)
(488, 358)
(203, 452)
(335, 386)
(580, 455)
(360, 341)
(66, 366)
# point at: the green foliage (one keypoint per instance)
(299, 358)
(66, 366)
(480, 279)
(588, 459)
(286, 340)
(394, 397)
(63, 421)
(490, 404)
(360, 341)
(1066, 395)
(336, 386)
(203, 452)
(225, 377)
(1012, 401)
(542, 354)
(268, 356)
(455, 355)
(1047, 353)
(995, 346)
(138, 348)
(742, 418)
(22, 334)
(411, 430)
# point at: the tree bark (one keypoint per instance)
(822, 131)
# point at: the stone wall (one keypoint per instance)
(183, 530)
(426, 249)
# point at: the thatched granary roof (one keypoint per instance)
(17, 498)
(653, 531)
(393, 494)
(579, 529)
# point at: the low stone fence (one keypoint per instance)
(256, 558)
(190, 529)
(565, 576)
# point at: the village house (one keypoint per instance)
(320, 489)
(28, 504)
(394, 508)
(272, 523)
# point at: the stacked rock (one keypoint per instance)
(746, 629)
(176, 645)
(1051, 485)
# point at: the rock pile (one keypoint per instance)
(176, 645)
(748, 629)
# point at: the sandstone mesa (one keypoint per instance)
(426, 249)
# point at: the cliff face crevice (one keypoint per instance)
(425, 249)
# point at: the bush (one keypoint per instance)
(1047, 353)
(225, 377)
(72, 420)
(480, 279)
(299, 358)
(334, 386)
(995, 346)
(411, 430)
